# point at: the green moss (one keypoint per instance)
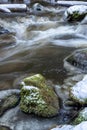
(38, 98)
(79, 120)
(36, 80)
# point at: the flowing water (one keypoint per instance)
(41, 44)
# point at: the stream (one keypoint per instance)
(39, 44)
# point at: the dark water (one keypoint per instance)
(47, 60)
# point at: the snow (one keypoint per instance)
(32, 97)
(81, 126)
(65, 127)
(30, 87)
(5, 93)
(80, 9)
(80, 89)
(77, 8)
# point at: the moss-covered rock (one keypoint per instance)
(8, 102)
(81, 117)
(75, 13)
(38, 98)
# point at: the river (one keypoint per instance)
(41, 44)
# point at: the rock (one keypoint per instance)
(79, 91)
(75, 13)
(8, 102)
(81, 126)
(77, 61)
(81, 117)
(38, 97)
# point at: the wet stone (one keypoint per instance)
(8, 102)
(78, 60)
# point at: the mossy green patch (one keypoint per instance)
(38, 98)
(36, 80)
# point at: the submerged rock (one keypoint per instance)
(79, 91)
(75, 13)
(77, 61)
(81, 117)
(38, 97)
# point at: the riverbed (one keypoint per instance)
(41, 44)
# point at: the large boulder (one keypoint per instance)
(75, 13)
(38, 97)
(79, 91)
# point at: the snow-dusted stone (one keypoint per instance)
(38, 97)
(8, 99)
(81, 126)
(79, 91)
(75, 13)
(81, 117)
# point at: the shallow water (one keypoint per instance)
(41, 44)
